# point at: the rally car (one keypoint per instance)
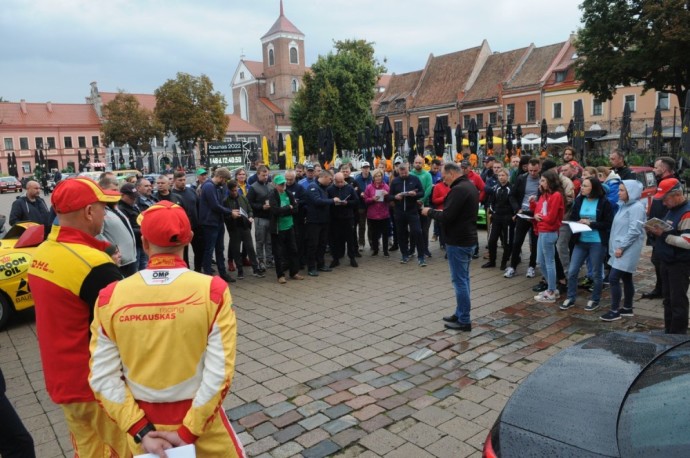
(16, 253)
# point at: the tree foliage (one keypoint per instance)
(624, 42)
(189, 108)
(337, 93)
(127, 122)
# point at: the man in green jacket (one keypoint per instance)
(428, 184)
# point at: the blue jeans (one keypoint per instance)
(459, 258)
(546, 257)
(213, 241)
(594, 251)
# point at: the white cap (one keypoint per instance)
(365, 164)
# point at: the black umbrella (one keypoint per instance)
(657, 139)
(489, 138)
(449, 135)
(439, 137)
(281, 143)
(175, 159)
(579, 129)
(95, 155)
(421, 140)
(9, 163)
(518, 136)
(376, 141)
(37, 158)
(570, 132)
(42, 158)
(625, 141)
(685, 132)
(509, 136)
(458, 138)
(131, 157)
(398, 141)
(112, 159)
(544, 132)
(80, 166)
(387, 134)
(368, 156)
(140, 161)
(472, 135)
(152, 168)
(121, 160)
(15, 169)
(411, 141)
(87, 159)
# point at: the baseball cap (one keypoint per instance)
(201, 171)
(365, 164)
(76, 193)
(309, 166)
(489, 158)
(280, 179)
(398, 160)
(666, 186)
(165, 224)
(129, 189)
(465, 164)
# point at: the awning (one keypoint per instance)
(97, 164)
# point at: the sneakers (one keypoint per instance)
(541, 286)
(282, 280)
(626, 312)
(405, 260)
(488, 265)
(568, 303)
(530, 272)
(422, 263)
(611, 315)
(240, 275)
(509, 273)
(546, 296)
(591, 306)
(585, 283)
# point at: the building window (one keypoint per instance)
(9, 144)
(23, 143)
(271, 58)
(95, 141)
(68, 142)
(663, 101)
(531, 111)
(244, 104)
(630, 101)
(510, 112)
(492, 118)
(423, 126)
(560, 76)
(466, 121)
(397, 129)
(480, 120)
(294, 57)
(51, 142)
(557, 110)
(39, 142)
(26, 166)
(241, 75)
(295, 85)
(273, 88)
(82, 142)
(597, 107)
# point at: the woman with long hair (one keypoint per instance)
(548, 215)
(592, 209)
(241, 177)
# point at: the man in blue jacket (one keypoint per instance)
(318, 206)
(343, 220)
(211, 212)
(405, 191)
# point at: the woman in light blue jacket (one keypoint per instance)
(625, 245)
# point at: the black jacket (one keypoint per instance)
(132, 213)
(603, 222)
(25, 210)
(297, 192)
(500, 203)
(459, 214)
(257, 194)
(408, 203)
(189, 203)
(347, 194)
(277, 211)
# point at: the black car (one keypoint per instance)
(614, 395)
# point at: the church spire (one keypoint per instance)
(281, 8)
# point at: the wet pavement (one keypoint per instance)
(357, 362)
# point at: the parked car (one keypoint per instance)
(10, 184)
(614, 395)
(16, 253)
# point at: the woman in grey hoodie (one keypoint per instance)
(625, 245)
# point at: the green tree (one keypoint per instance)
(624, 42)
(128, 123)
(189, 108)
(338, 92)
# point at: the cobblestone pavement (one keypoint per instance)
(357, 362)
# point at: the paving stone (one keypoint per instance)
(461, 428)
(433, 416)
(244, 410)
(361, 389)
(323, 448)
(360, 401)
(340, 424)
(400, 375)
(272, 399)
(408, 450)
(296, 390)
(393, 401)
(302, 400)
(368, 412)
(348, 436)
(314, 421)
(343, 384)
(401, 426)
(401, 412)
(382, 381)
(254, 419)
(279, 409)
(337, 411)
(364, 377)
(480, 374)
(402, 386)
(259, 447)
(287, 450)
(289, 433)
(364, 366)
(421, 435)
(263, 430)
(379, 421)
(321, 381)
(418, 355)
(320, 393)
(343, 374)
(444, 392)
(337, 398)
(287, 419)
(381, 441)
(312, 437)
(246, 438)
(313, 407)
(450, 447)
(382, 393)
(422, 402)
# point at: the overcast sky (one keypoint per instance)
(52, 50)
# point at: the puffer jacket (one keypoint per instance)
(627, 230)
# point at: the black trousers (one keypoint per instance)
(409, 228)
(15, 440)
(241, 240)
(522, 228)
(342, 234)
(285, 252)
(675, 279)
(425, 224)
(317, 237)
(197, 248)
(378, 231)
(500, 229)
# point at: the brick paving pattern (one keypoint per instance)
(357, 362)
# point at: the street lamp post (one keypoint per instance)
(673, 139)
(500, 118)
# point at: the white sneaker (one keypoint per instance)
(509, 273)
(530, 272)
(545, 296)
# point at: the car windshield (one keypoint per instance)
(655, 418)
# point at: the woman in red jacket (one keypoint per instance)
(548, 216)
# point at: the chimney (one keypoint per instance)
(49, 106)
(22, 106)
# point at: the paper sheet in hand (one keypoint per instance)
(576, 227)
(379, 194)
(655, 223)
(243, 213)
(523, 216)
(186, 451)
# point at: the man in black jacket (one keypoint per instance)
(189, 198)
(343, 220)
(459, 225)
(31, 207)
(318, 206)
(283, 208)
(405, 191)
(293, 187)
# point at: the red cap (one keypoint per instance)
(666, 186)
(74, 194)
(165, 224)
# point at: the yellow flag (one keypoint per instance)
(300, 150)
(264, 150)
(288, 153)
(335, 154)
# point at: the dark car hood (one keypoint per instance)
(576, 395)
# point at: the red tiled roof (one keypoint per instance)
(271, 106)
(37, 114)
(256, 68)
(239, 125)
(445, 77)
(282, 24)
(383, 81)
(147, 101)
(400, 86)
(496, 69)
(533, 69)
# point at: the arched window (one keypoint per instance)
(295, 85)
(271, 56)
(294, 57)
(244, 104)
(273, 88)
